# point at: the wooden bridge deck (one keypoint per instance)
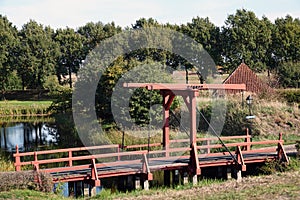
(163, 163)
(98, 162)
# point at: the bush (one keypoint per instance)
(291, 95)
(25, 180)
(289, 74)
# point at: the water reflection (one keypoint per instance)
(28, 136)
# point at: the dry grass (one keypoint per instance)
(278, 186)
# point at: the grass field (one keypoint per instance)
(18, 108)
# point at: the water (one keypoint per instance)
(27, 135)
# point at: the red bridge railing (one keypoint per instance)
(114, 155)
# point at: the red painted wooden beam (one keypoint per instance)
(176, 86)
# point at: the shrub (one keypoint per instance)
(291, 95)
(26, 180)
(273, 166)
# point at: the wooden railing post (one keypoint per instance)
(281, 154)
(248, 140)
(70, 159)
(17, 159)
(280, 137)
(240, 158)
(120, 146)
(36, 164)
(208, 148)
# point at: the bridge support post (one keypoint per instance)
(238, 175)
(146, 184)
(168, 98)
(175, 177)
(95, 188)
(228, 174)
(137, 183)
(167, 177)
(185, 178)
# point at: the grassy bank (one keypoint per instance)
(284, 185)
(24, 108)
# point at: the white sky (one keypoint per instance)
(76, 13)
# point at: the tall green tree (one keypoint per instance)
(94, 33)
(207, 34)
(38, 53)
(286, 40)
(8, 43)
(71, 53)
(246, 39)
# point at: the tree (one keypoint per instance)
(286, 40)
(71, 53)
(289, 74)
(207, 34)
(8, 43)
(37, 54)
(96, 32)
(246, 39)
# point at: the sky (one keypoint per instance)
(76, 13)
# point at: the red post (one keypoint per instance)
(208, 143)
(192, 103)
(70, 159)
(119, 158)
(280, 138)
(36, 164)
(17, 159)
(248, 140)
(168, 98)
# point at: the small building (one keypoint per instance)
(243, 74)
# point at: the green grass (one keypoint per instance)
(24, 108)
(30, 194)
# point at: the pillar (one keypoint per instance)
(95, 188)
(167, 177)
(137, 183)
(168, 98)
(185, 178)
(175, 176)
(228, 173)
(194, 179)
(237, 174)
(146, 184)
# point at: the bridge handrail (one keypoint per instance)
(64, 150)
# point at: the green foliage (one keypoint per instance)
(285, 39)
(19, 108)
(207, 34)
(8, 43)
(246, 38)
(289, 74)
(71, 53)
(272, 166)
(25, 180)
(5, 163)
(141, 99)
(62, 100)
(235, 119)
(37, 54)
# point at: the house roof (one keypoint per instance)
(243, 74)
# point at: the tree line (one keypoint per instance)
(36, 56)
